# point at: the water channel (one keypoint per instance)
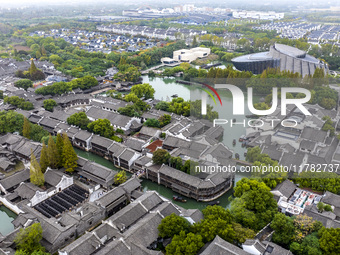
(164, 88)
(6, 218)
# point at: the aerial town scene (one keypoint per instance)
(169, 128)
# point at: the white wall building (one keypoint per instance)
(186, 55)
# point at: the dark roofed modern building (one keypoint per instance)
(279, 56)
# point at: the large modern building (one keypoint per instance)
(279, 56)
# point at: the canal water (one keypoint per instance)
(6, 218)
(166, 87)
(165, 192)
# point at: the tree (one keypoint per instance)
(52, 153)
(241, 233)
(176, 162)
(28, 239)
(254, 206)
(60, 145)
(26, 130)
(36, 176)
(328, 208)
(69, 155)
(321, 206)
(245, 185)
(183, 244)
(172, 225)
(152, 123)
(284, 229)
(23, 83)
(143, 90)
(49, 104)
(33, 69)
(131, 98)
(164, 120)
(309, 246)
(44, 162)
(329, 240)
(79, 119)
(101, 127)
(160, 157)
(120, 177)
(217, 221)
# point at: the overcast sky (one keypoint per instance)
(219, 2)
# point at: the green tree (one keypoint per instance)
(284, 229)
(44, 162)
(321, 206)
(164, 120)
(23, 83)
(217, 221)
(329, 241)
(33, 69)
(183, 244)
(28, 239)
(131, 97)
(120, 177)
(79, 119)
(152, 123)
(172, 225)
(160, 157)
(241, 233)
(49, 104)
(60, 145)
(36, 175)
(26, 130)
(143, 90)
(101, 127)
(69, 155)
(254, 206)
(52, 153)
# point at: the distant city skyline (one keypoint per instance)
(8, 3)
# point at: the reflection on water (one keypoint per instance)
(166, 87)
(6, 218)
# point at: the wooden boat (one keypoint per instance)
(242, 137)
(234, 142)
(175, 95)
(237, 156)
(214, 203)
(179, 199)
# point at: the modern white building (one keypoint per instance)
(257, 15)
(185, 55)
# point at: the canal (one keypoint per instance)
(164, 88)
(6, 218)
(165, 192)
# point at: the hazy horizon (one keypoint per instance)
(23, 3)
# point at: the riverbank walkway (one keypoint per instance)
(157, 67)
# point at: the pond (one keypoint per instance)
(6, 218)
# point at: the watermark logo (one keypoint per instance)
(238, 99)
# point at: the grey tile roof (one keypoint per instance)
(218, 246)
(312, 134)
(111, 196)
(101, 141)
(286, 188)
(83, 135)
(53, 177)
(95, 170)
(15, 179)
(135, 144)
